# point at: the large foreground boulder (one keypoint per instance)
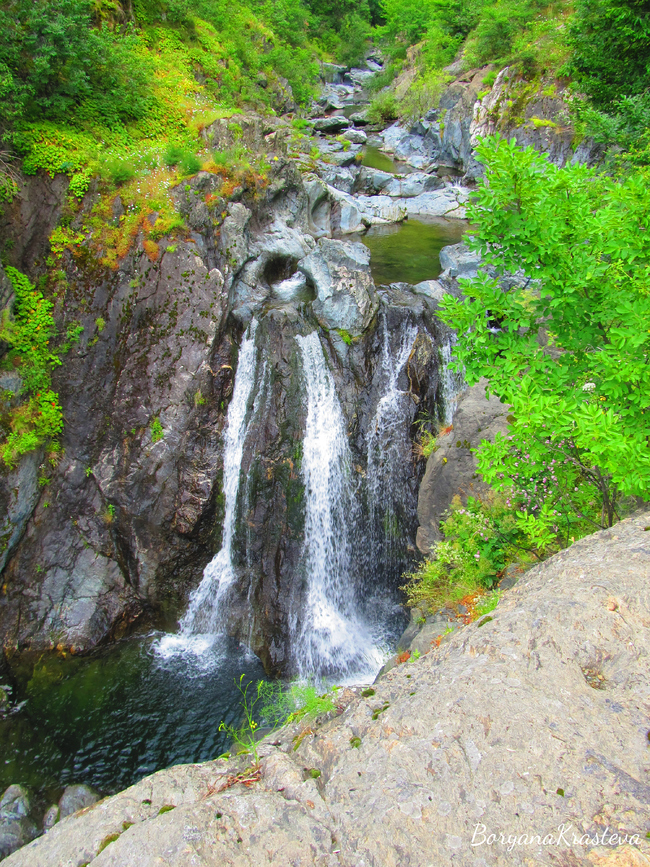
(521, 740)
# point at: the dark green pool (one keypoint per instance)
(409, 252)
(377, 159)
(111, 718)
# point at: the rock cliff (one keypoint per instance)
(122, 528)
(522, 739)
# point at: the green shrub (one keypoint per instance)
(120, 171)
(173, 155)
(157, 432)
(578, 440)
(423, 95)
(383, 107)
(190, 164)
(39, 419)
(610, 41)
(480, 540)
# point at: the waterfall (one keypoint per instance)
(387, 460)
(453, 383)
(202, 621)
(329, 636)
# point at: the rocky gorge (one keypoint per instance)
(230, 373)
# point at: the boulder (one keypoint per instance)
(446, 202)
(332, 72)
(360, 118)
(272, 256)
(431, 289)
(413, 184)
(51, 817)
(75, 798)
(16, 825)
(335, 124)
(452, 469)
(360, 77)
(340, 177)
(459, 261)
(345, 292)
(372, 181)
(356, 136)
(344, 158)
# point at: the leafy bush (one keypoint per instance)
(39, 419)
(481, 539)
(120, 171)
(355, 34)
(423, 95)
(569, 346)
(383, 107)
(190, 164)
(611, 49)
(53, 61)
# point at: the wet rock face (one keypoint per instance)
(133, 511)
(452, 469)
(447, 136)
(345, 292)
(118, 527)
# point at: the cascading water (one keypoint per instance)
(388, 432)
(202, 621)
(453, 383)
(329, 636)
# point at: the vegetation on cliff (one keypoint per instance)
(37, 419)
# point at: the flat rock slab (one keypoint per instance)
(522, 741)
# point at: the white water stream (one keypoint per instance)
(203, 620)
(453, 384)
(387, 434)
(329, 637)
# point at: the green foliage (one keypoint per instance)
(120, 171)
(297, 700)
(427, 443)
(568, 348)
(481, 539)
(53, 61)
(486, 604)
(345, 336)
(355, 34)
(157, 432)
(611, 49)
(423, 95)
(245, 735)
(30, 333)
(383, 107)
(38, 419)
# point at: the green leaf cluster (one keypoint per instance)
(29, 335)
(567, 344)
(480, 540)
